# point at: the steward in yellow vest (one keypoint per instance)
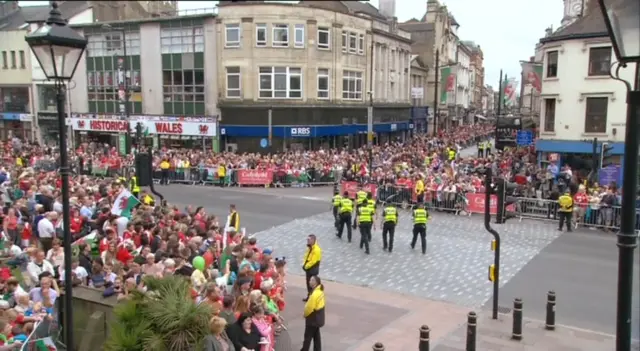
(389, 223)
(420, 219)
(133, 185)
(565, 210)
(335, 205)
(344, 215)
(365, 221)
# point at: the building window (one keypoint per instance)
(14, 100)
(182, 40)
(599, 61)
(261, 35)
(345, 36)
(351, 85)
(233, 82)
(232, 36)
(5, 63)
(549, 115)
(595, 120)
(299, 36)
(13, 60)
(552, 64)
(183, 85)
(361, 44)
(324, 38)
(110, 44)
(47, 98)
(280, 35)
(323, 83)
(353, 43)
(280, 82)
(23, 63)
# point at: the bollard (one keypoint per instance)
(424, 338)
(378, 347)
(472, 320)
(516, 331)
(550, 321)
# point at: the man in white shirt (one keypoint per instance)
(38, 266)
(78, 273)
(47, 231)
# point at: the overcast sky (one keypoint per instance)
(506, 30)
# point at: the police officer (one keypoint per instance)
(487, 148)
(371, 202)
(420, 218)
(365, 221)
(133, 185)
(361, 198)
(344, 215)
(389, 223)
(565, 210)
(335, 204)
(480, 147)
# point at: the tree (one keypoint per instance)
(162, 319)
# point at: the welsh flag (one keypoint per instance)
(45, 344)
(124, 204)
(532, 74)
(87, 239)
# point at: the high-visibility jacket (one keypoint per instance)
(391, 214)
(420, 216)
(361, 196)
(337, 200)
(371, 203)
(165, 165)
(566, 203)
(452, 154)
(346, 206)
(365, 214)
(134, 184)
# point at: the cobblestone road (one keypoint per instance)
(454, 269)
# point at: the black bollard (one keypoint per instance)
(472, 320)
(550, 323)
(424, 338)
(516, 331)
(378, 347)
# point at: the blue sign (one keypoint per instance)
(264, 143)
(609, 175)
(313, 131)
(299, 132)
(524, 138)
(10, 116)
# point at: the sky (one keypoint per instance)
(506, 30)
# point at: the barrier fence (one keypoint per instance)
(584, 215)
(246, 177)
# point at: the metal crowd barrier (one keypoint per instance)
(243, 177)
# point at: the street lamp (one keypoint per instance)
(622, 18)
(58, 50)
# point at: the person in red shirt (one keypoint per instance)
(110, 236)
(581, 200)
(76, 222)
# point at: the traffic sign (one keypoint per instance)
(264, 143)
(524, 138)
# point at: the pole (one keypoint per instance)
(496, 238)
(499, 111)
(66, 220)
(627, 241)
(436, 100)
(270, 129)
(370, 131)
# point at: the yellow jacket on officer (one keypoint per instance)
(565, 203)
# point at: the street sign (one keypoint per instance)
(524, 138)
(264, 143)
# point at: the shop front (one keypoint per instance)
(309, 127)
(157, 131)
(15, 125)
(48, 127)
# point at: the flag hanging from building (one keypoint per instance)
(447, 83)
(532, 74)
(510, 91)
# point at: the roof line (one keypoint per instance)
(573, 37)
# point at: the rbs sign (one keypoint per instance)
(301, 132)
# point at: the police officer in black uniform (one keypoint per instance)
(420, 219)
(565, 210)
(365, 222)
(371, 202)
(389, 222)
(344, 216)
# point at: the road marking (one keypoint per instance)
(312, 198)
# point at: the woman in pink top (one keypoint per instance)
(265, 327)
(10, 226)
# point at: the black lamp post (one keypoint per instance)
(58, 50)
(622, 18)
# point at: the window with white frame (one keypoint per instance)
(353, 43)
(323, 83)
(345, 39)
(232, 35)
(280, 37)
(299, 36)
(324, 38)
(361, 44)
(111, 44)
(261, 34)
(351, 85)
(180, 40)
(280, 82)
(233, 82)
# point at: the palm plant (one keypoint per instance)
(165, 318)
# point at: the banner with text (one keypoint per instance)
(255, 177)
(202, 129)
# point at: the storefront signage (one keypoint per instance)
(203, 129)
(10, 116)
(300, 131)
(145, 117)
